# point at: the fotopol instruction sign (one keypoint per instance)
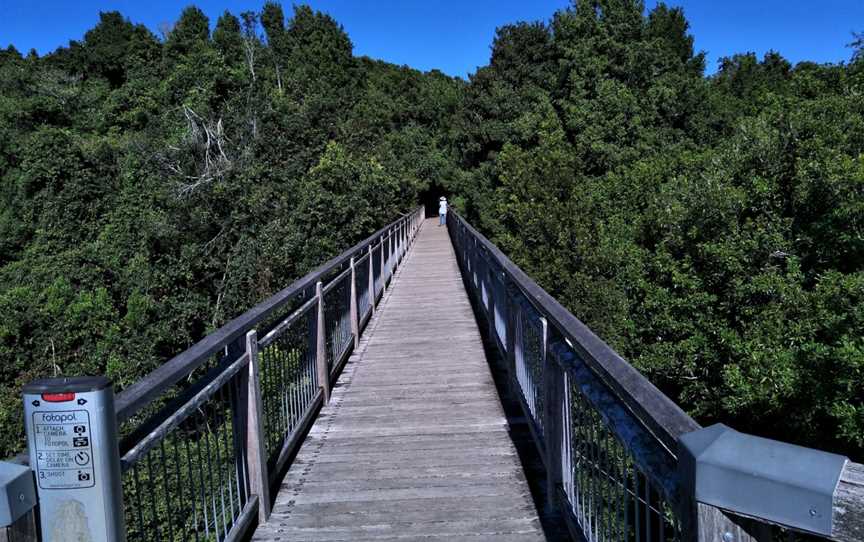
(64, 454)
(74, 452)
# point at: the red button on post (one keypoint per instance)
(58, 397)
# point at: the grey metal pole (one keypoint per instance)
(71, 429)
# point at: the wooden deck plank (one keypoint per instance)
(414, 443)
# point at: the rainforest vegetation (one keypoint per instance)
(710, 228)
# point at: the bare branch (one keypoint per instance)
(250, 39)
(202, 156)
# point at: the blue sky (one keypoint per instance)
(455, 35)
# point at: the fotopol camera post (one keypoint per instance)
(72, 440)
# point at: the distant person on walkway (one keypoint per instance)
(442, 211)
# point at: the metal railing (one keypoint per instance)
(608, 438)
(209, 432)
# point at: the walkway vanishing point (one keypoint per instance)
(359, 403)
(414, 443)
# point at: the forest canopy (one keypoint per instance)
(710, 228)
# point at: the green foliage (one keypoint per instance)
(273, 21)
(227, 38)
(708, 229)
(153, 190)
(106, 47)
(191, 33)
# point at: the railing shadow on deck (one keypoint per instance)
(210, 433)
(520, 428)
(610, 441)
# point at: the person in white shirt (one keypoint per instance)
(442, 211)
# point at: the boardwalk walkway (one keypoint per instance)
(414, 443)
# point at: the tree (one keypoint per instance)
(107, 265)
(228, 39)
(710, 229)
(191, 32)
(106, 47)
(857, 45)
(685, 219)
(273, 21)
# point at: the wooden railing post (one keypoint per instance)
(415, 225)
(510, 325)
(514, 336)
(711, 524)
(355, 319)
(553, 414)
(256, 457)
(399, 242)
(24, 529)
(321, 346)
(372, 300)
(490, 305)
(391, 250)
(383, 268)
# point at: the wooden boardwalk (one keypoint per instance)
(414, 442)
